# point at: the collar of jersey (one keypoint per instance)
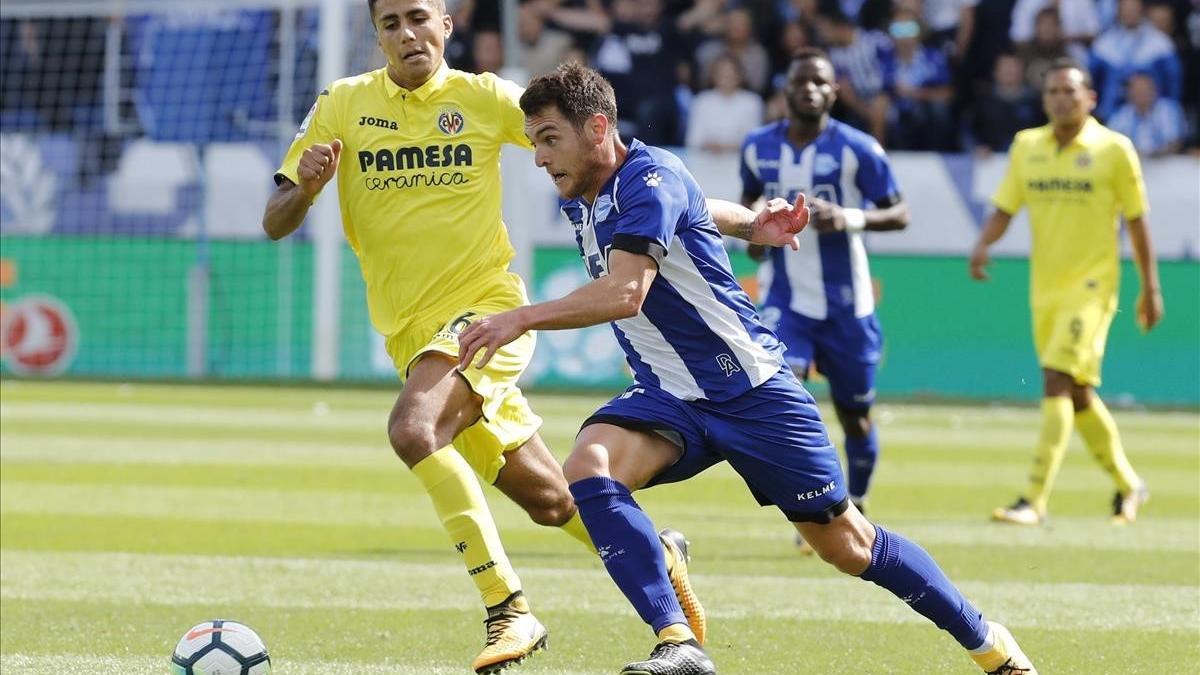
(635, 146)
(786, 122)
(423, 92)
(1084, 138)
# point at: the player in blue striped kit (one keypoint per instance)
(820, 300)
(710, 381)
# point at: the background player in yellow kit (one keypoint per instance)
(1076, 177)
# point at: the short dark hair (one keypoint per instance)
(576, 90)
(440, 4)
(809, 54)
(1068, 63)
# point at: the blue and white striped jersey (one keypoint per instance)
(697, 335)
(830, 273)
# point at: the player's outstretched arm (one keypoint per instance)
(289, 204)
(1150, 301)
(830, 217)
(993, 229)
(777, 224)
(617, 295)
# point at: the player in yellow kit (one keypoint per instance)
(416, 150)
(1076, 178)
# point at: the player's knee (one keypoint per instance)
(553, 509)
(411, 440)
(585, 461)
(848, 556)
(856, 423)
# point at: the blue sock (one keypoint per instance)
(630, 549)
(906, 570)
(861, 453)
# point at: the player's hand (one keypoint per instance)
(1149, 308)
(778, 223)
(979, 263)
(488, 334)
(317, 166)
(827, 216)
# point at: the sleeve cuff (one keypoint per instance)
(632, 243)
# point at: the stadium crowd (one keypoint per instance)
(944, 75)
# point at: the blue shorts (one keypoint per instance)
(844, 348)
(771, 435)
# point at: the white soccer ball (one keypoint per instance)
(220, 648)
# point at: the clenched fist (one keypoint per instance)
(317, 166)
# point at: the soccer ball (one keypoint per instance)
(220, 648)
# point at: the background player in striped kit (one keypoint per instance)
(820, 300)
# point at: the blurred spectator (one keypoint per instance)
(1162, 17)
(1191, 93)
(685, 78)
(1048, 45)
(542, 48)
(704, 17)
(1007, 106)
(739, 41)
(867, 14)
(638, 56)
(862, 61)
(922, 90)
(723, 115)
(1080, 20)
(807, 12)
(1133, 45)
(584, 20)
(53, 71)
(1155, 125)
(796, 35)
(950, 23)
(487, 51)
(989, 38)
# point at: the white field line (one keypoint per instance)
(408, 506)
(356, 585)
(56, 664)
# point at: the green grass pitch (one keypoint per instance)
(129, 513)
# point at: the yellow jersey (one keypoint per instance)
(1075, 195)
(419, 185)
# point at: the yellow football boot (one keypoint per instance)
(677, 570)
(513, 635)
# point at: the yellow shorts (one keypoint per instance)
(1070, 335)
(507, 419)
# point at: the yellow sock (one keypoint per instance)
(1099, 431)
(459, 503)
(676, 632)
(575, 528)
(1057, 415)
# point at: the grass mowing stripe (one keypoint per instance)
(89, 459)
(402, 506)
(134, 448)
(365, 585)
